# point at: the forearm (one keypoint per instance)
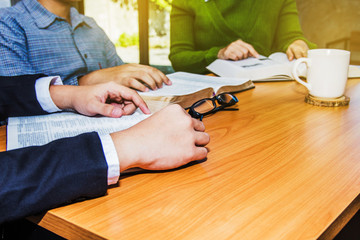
(183, 53)
(193, 61)
(90, 78)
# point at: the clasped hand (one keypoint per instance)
(167, 139)
(107, 99)
(136, 76)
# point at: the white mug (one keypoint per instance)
(327, 71)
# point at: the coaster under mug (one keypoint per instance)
(327, 102)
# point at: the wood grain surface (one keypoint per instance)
(2, 138)
(278, 168)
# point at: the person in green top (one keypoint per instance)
(204, 30)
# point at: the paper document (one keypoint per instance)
(39, 130)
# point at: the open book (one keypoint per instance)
(39, 130)
(276, 67)
(187, 88)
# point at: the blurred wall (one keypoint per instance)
(327, 20)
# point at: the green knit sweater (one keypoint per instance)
(200, 29)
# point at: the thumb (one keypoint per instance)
(108, 110)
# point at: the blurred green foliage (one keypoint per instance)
(126, 40)
(159, 4)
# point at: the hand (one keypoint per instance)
(168, 139)
(107, 99)
(297, 49)
(237, 50)
(136, 76)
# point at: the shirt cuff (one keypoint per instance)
(111, 159)
(43, 93)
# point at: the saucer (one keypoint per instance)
(327, 102)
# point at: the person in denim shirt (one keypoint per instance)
(51, 37)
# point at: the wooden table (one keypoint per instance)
(277, 169)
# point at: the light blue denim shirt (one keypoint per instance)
(34, 40)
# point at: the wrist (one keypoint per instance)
(89, 79)
(123, 147)
(62, 96)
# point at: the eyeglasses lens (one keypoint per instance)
(225, 99)
(204, 106)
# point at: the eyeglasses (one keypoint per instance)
(208, 106)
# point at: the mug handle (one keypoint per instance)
(294, 71)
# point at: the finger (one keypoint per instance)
(167, 80)
(244, 51)
(133, 96)
(233, 56)
(235, 53)
(250, 50)
(300, 53)
(290, 54)
(106, 110)
(146, 78)
(116, 112)
(297, 54)
(135, 84)
(198, 125)
(156, 78)
(201, 138)
(159, 77)
(129, 109)
(200, 153)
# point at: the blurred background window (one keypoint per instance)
(120, 21)
(5, 3)
(328, 23)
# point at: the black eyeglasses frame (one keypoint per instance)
(220, 107)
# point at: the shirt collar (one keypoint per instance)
(77, 18)
(43, 18)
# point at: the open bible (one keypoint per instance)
(187, 88)
(276, 67)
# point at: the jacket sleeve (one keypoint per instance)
(184, 55)
(18, 96)
(289, 28)
(36, 179)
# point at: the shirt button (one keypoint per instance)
(85, 55)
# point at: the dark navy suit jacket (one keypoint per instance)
(35, 179)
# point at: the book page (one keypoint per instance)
(280, 57)
(39, 130)
(354, 71)
(185, 83)
(256, 69)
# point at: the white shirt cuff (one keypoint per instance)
(43, 93)
(111, 158)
